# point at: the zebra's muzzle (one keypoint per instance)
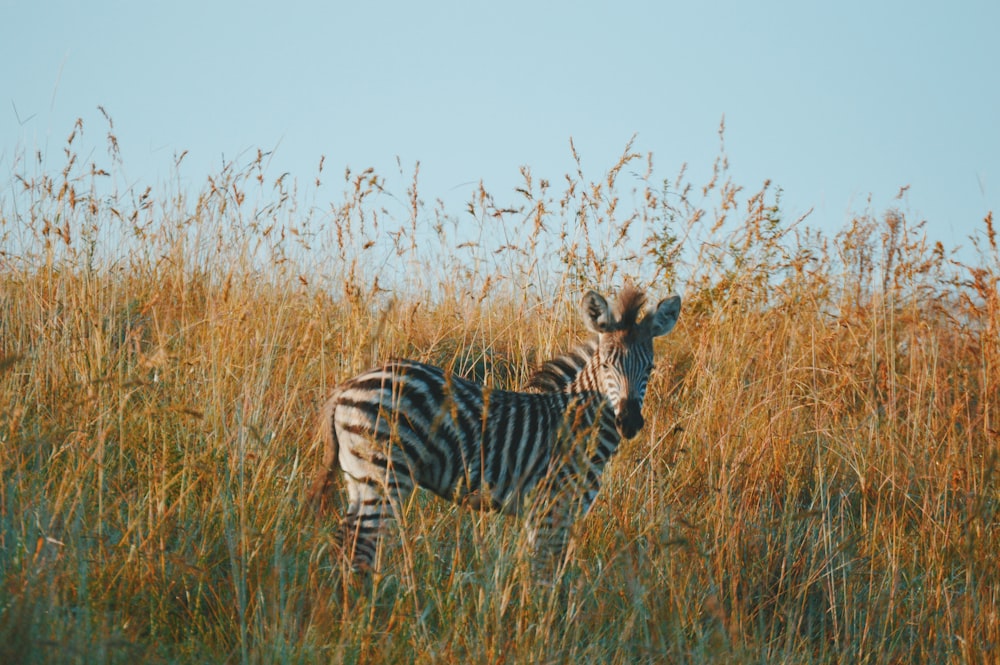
(629, 420)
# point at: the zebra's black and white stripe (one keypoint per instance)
(540, 452)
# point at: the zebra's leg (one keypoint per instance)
(548, 539)
(550, 526)
(549, 532)
(362, 523)
(373, 505)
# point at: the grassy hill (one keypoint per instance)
(817, 481)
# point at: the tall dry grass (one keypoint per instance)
(816, 483)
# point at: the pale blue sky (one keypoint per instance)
(832, 101)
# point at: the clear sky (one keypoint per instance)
(832, 101)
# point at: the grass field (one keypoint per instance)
(817, 481)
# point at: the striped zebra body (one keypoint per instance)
(409, 424)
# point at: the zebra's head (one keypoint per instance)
(623, 359)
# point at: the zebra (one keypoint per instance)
(539, 452)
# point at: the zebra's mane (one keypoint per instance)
(554, 375)
(631, 303)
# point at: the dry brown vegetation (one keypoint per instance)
(817, 481)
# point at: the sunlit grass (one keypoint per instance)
(817, 480)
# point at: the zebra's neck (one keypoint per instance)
(562, 372)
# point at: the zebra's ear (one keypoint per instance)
(665, 317)
(596, 313)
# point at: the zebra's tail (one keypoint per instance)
(323, 480)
